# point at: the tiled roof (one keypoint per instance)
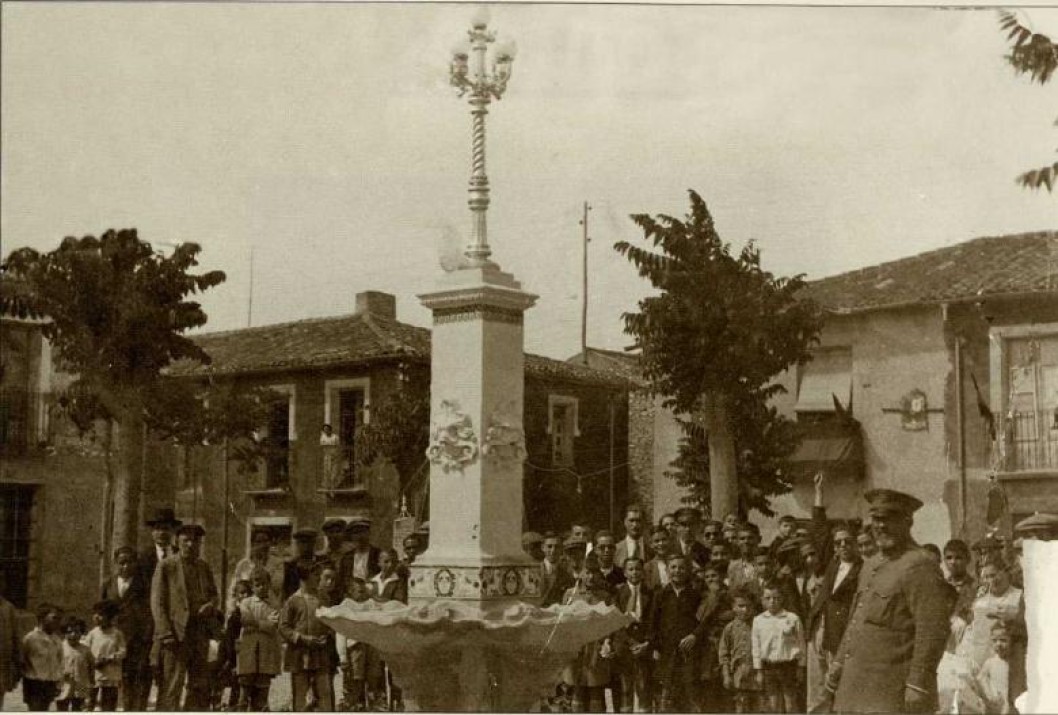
(622, 365)
(992, 266)
(340, 341)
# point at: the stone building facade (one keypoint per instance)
(923, 353)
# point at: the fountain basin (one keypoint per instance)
(467, 656)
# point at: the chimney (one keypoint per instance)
(377, 304)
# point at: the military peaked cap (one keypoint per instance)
(891, 501)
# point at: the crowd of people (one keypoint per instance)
(162, 624)
(828, 617)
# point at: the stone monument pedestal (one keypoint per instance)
(477, 444)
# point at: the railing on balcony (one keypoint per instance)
(1032, 441)
(337, 470)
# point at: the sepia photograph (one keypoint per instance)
(528, 357)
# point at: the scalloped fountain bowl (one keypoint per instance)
(461, 656)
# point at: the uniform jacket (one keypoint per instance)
(297, 621)
(258, 649)
(169, 604)
(832, 608)
(896, 634)
(134, 618)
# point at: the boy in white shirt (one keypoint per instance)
(778, 652)
(107, 646)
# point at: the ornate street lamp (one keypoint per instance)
(469, 75)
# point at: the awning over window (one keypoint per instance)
(834, 446)
(827, 376)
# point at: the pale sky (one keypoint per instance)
(326, 136)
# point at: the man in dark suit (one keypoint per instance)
(687, 544)
(829, 614)
(162, 525)
(677, 634)
(184, 604)
(604, 548)
(633, 663)
(554, 578)
(132, 593)
(656, 570)
(634, 544)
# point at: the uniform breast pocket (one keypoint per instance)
(878, 608)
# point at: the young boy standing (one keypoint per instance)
(76, 669)
(259, 655)
(735, 651)
(107, 646)
(387, 585)
(778, 652)
(307, 657)
(715, 612)
(633, 663)
(353, 656)
(42, 660)
(992, 681)
(677, 635)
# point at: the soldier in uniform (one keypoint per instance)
(887, 660)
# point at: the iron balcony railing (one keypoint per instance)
(1032, 441)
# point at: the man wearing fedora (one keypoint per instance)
(163, 524)
(184, 603)
(887, 660)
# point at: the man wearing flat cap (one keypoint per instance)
(1043, 527)
(184, 603)
(887, 660)
(362, 561)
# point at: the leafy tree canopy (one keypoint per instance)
(718, 332)
(116, 309)
(721, 323)
(1037, 56)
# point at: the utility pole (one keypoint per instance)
(584, 297)
(249, 304)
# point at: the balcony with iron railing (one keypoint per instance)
(1031, 442)
(337, 472)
